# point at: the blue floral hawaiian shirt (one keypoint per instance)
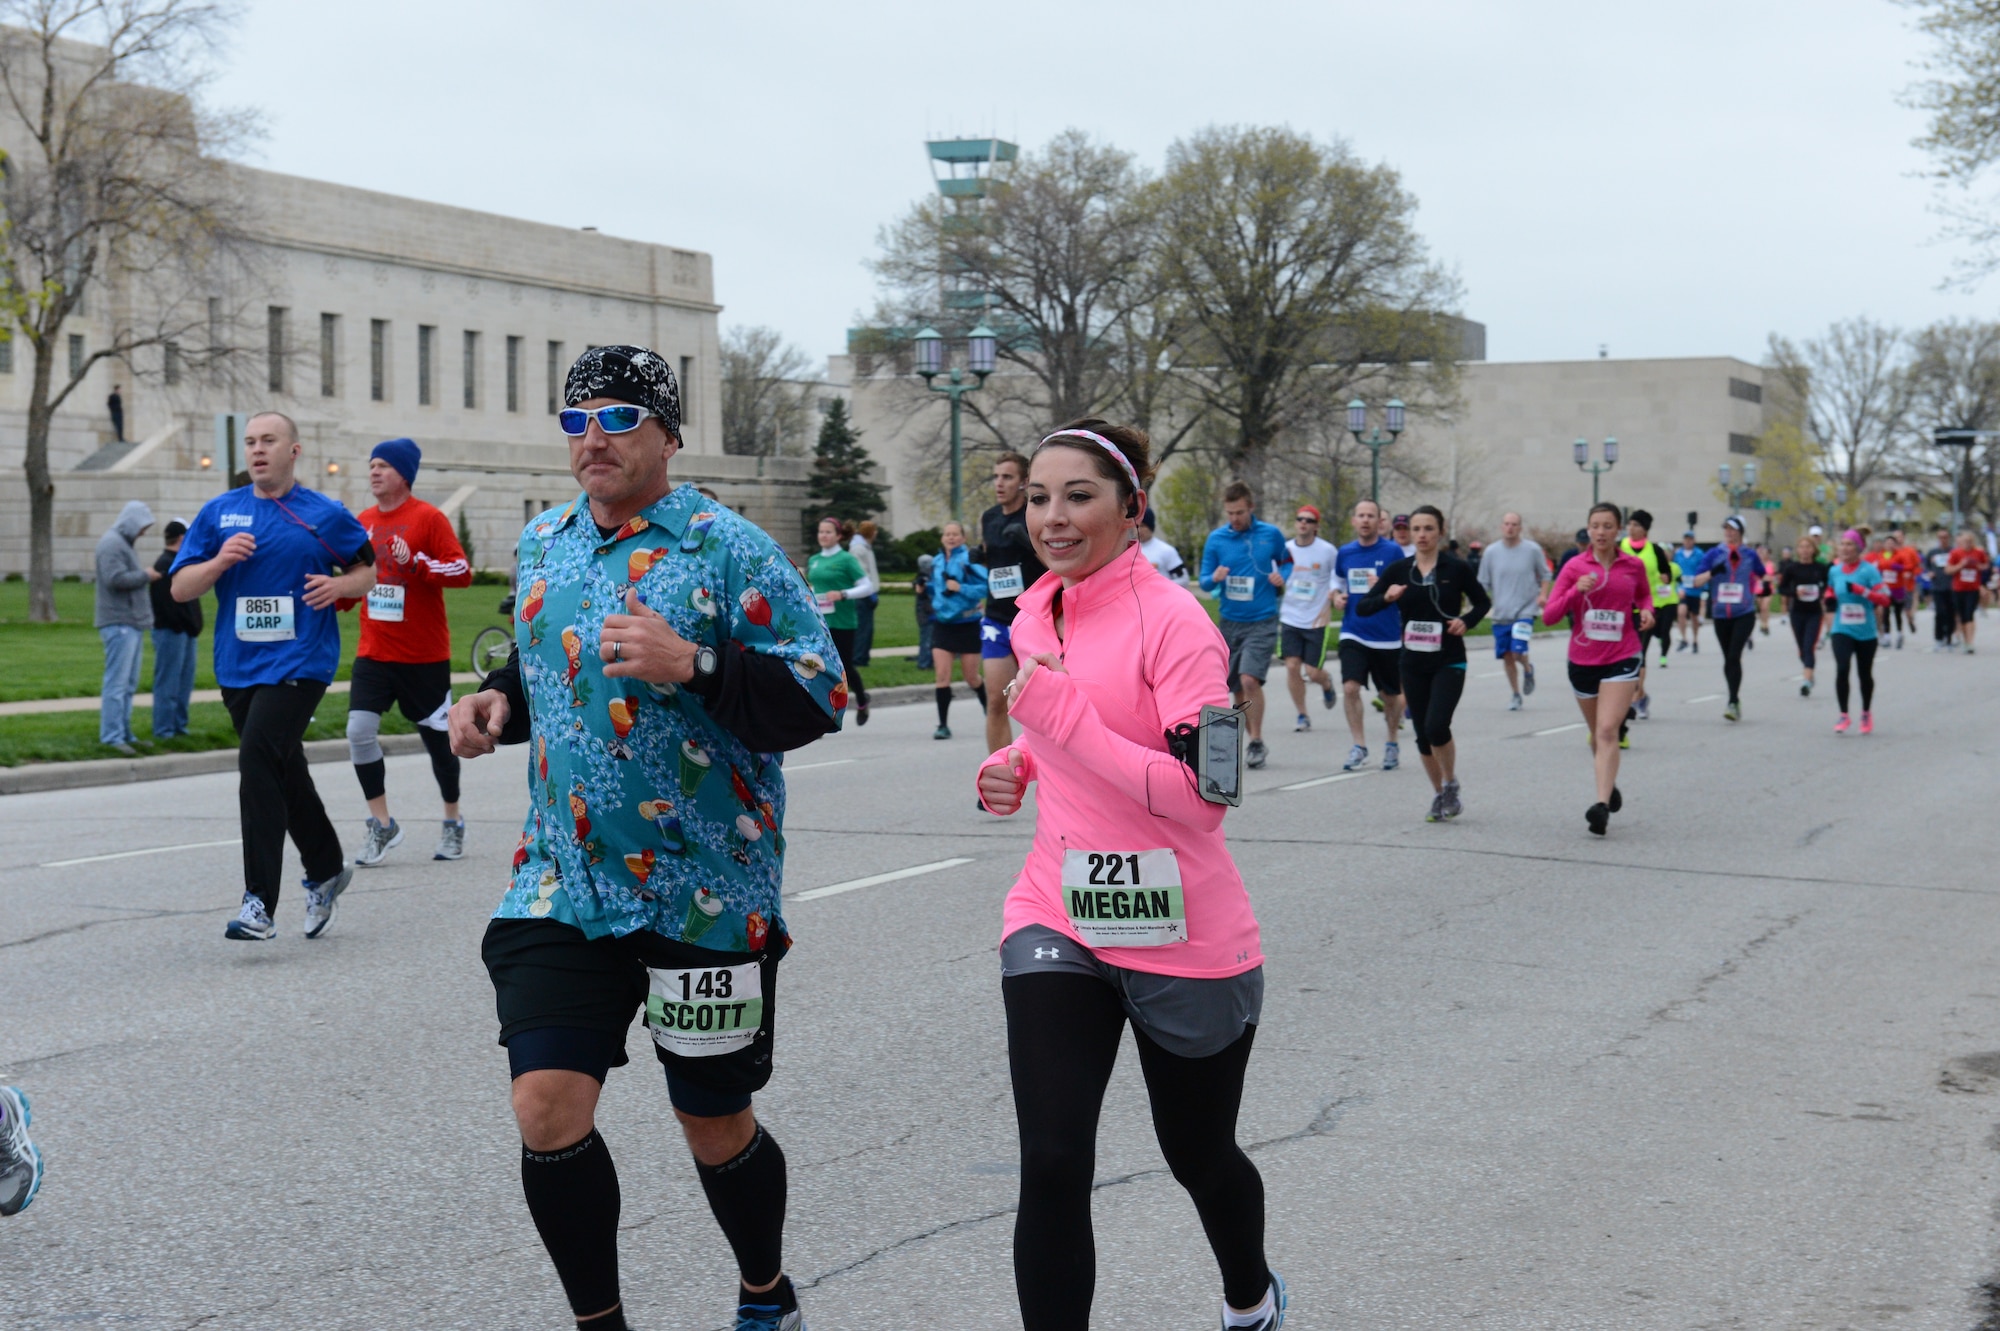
(644, 813)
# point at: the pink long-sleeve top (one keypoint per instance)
(1139, 657)
(1622, 590)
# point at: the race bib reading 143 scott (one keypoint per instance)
(1124, 898)
(265, 619)
(701, 1012)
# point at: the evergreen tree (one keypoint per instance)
(840, 483)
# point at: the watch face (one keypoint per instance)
(704, 660)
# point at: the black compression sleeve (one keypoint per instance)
(758, 699)
(507, 680)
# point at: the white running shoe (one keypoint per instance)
(253, 922)
(452, 844)
(320, 898)
(377, 842)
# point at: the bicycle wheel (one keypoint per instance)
(489, 650)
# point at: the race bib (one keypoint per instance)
(1853, 614)
(1359, 580)
(1523, 633)
(705, 1011)
(1004, 583)
(1729, 593)
(1301, 590)
(1807, 591)
(1604, 625)
(385, 603)
(1124, 900)
(1239, 589)
(1423, 635)
(265, 619)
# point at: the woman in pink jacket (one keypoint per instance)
(1603, 591)
(1129, 906)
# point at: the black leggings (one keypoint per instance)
(1062, 1038)
(275, 794)
(1733, 634)
(1861, 651)
(1432, 697)
(843, 642)
(1806, 620)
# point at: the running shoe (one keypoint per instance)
(1598, 817)
(1436, 815)
(1327, 695)
(1304, 724)
(1868, 723)
(1663, 660)
(1764, 629)
(1527, 679)
(1514, 704)
(1697, 646)
(1452, 808)
(1256, 754)
(1899, 642)
(1645, 707)
(20, 1159)
(252, 922)
(1733, 712)
(1617, 800)
(1356, 757)
(861, 714)
(320, 898)
(452, 844)
(1840, 726)
(942, 732)
(1681, 646)
(1271, 1320)
(377, 841)
(1376, 702)
(1392, 755)
(766, 1317)
(1805, 689)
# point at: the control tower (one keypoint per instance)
(967, 172)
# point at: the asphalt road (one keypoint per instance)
(1734, 1065)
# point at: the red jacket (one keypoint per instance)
(403, 619)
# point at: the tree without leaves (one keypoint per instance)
(763, 406)
(1303, 282)
(1954, 383)
(1962, 98)
(1853, 394)
(840, 484)
(118, 187)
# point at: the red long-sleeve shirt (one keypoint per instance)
(411, 587)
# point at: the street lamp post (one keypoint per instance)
(979, 354)
(1967, 440)
(1580, 451)
(1375, 440)
(1736, 492)
(1819, 499)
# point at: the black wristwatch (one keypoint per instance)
(704, 662)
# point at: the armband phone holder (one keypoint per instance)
(1213, 747)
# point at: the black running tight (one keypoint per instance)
(1062, 1038)
(843, 642)
(1433, 698)
(1733, 634)
(1806, 620)
(1860, 651)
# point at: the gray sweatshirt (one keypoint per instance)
(121, 577)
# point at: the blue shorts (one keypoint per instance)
(996, 640)
(1512, 638)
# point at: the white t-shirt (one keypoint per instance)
(1165, 558)
(1310, 583)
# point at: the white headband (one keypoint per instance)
(1102, 443)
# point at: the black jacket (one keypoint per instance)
(180, 616)
(1453, 584)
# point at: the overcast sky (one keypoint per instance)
(1669, 180)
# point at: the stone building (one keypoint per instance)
(387, 316)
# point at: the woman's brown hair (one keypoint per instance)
(1132, 441)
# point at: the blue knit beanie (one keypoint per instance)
(403, 455)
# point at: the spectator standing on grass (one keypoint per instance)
(176, 633)
(124, 613)
(861, 544)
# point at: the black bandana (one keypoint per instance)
(629, 374)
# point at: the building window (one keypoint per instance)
(1743, 443)
(329, 340)
(426, 335)
(555, 377)
(378, 360)
(1747, 391)
(513, 374)
(471, 369)
(687, 390)
(75, 354)
(274, 346)
(170, 370)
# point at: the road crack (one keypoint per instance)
(1729, 966)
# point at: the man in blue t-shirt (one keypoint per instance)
(1370, 645)
(278, 557)
(1244, 562)
(1688, 559)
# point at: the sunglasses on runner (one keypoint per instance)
(617, 418)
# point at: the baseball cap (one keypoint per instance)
(1815, 530)
(1308, 511)
(1400, 520)
(1733, 522)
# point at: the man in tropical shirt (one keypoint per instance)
(666, 653)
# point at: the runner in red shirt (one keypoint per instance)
(1968, 565)
(405, 654)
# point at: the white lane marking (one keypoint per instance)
(1706, 697)
(856, 884)
(1559, 730)
(151, 850)
(807, 767)
(1326, 780)
(1494, 674)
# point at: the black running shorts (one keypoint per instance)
(1359, 661)
(422, 690)
(1585, 679)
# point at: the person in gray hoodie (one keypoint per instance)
(124, 613)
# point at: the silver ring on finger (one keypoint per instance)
(618, 651)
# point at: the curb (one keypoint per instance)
(901, 694)
(32, 777)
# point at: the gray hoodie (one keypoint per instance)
(121, 578)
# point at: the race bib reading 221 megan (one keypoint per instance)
(1124, 898)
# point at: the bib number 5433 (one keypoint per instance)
(704, 1011)
(1124, 898)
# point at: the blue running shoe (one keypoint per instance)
(766, 1317)
(1356, 757)
(1274, 1310)
(252, 922)
(320, 899)
(20, 1159)
(1392, 754)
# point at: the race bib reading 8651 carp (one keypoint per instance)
(1124, 898)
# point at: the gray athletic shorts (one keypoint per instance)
(1251, 644)
(1191, 1018)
